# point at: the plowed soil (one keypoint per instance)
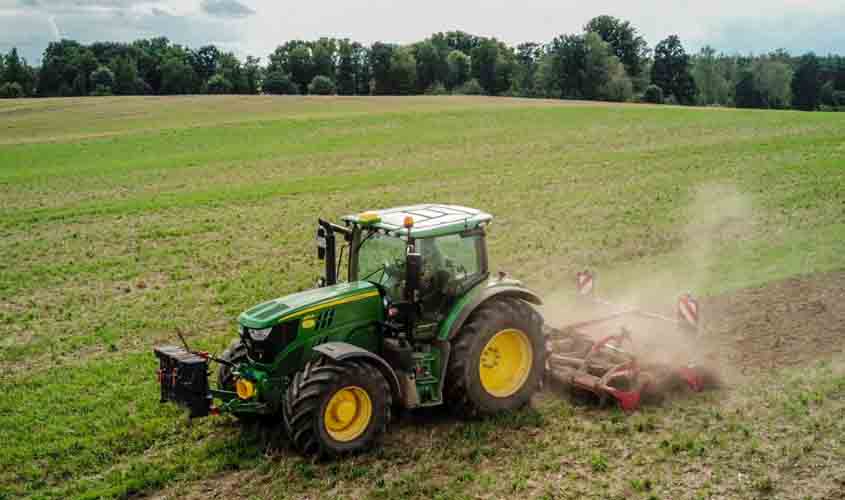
(781, 324)
(785, 323)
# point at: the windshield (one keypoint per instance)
(376, 253)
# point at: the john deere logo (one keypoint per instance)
(309, 323)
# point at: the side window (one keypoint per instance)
(455, 254)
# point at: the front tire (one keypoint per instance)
(332, 409)
(236, 353)
(498, 359)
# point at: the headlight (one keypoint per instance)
(259, 335)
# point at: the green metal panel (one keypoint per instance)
(347, 317)
(479, 294)
(347, 312)
(301, 304)
(455, 311)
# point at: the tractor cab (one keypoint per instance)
(422, 258)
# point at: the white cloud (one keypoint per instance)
(226, 8)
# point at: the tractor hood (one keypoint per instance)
(299, 304)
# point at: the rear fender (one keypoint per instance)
(342, 351)
(461, 311)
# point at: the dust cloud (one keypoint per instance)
(718, 214)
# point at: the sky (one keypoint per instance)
(256, 27)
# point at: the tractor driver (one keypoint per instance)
(436, 275)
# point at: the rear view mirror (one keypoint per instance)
(321, 243)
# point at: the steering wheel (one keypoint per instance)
(394, 269)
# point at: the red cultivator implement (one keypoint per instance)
(589, 358)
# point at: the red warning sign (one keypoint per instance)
(584, 282)
(688, 309)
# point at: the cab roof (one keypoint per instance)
(429, 219)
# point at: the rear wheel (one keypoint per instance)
(497, 360)
(337, 408)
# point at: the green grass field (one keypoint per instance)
(122, 219)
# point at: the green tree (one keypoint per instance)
(102, 81)
(460, 40)
(471, 87)
(150, 54)
(403, 71)
(807, 83)
(16, 71)
(828, 91)
(230, 68)
(597, 66)
(708, 73)
(125, 76)
(177, 76)
(204, 62)
(252, 75)
(432, 64)
(459, 69)
(546, 77)
(745, 94)
(294, 58)
(219, 84)
(653, 94)
(323, 56)
(618, 86)
(772, 82)
(348, 67)
(527, 57)
(321, 85)
(364, 77)
(85, 63)
(301, 66)
(568, 65)
(59, 71)
(11, 90)
(671, 71)
(625, 42)
(381, 55)
(279, 83)
(505, 71)
(483, 60)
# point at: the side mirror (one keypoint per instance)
(321, 243)
(413, 272)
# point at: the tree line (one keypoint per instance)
(609, 60)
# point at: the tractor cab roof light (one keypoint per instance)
(369, 218)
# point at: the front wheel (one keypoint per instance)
(498, 358)
(334, 408)
(236, 354)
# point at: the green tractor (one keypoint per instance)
(417, 322)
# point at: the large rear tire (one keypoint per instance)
(498, 359)
(333, 409)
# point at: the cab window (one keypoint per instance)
(456, 255)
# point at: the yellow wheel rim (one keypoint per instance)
(348, 413)
(505, 363)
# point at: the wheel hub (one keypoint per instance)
(348, 413)
(505, 363)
